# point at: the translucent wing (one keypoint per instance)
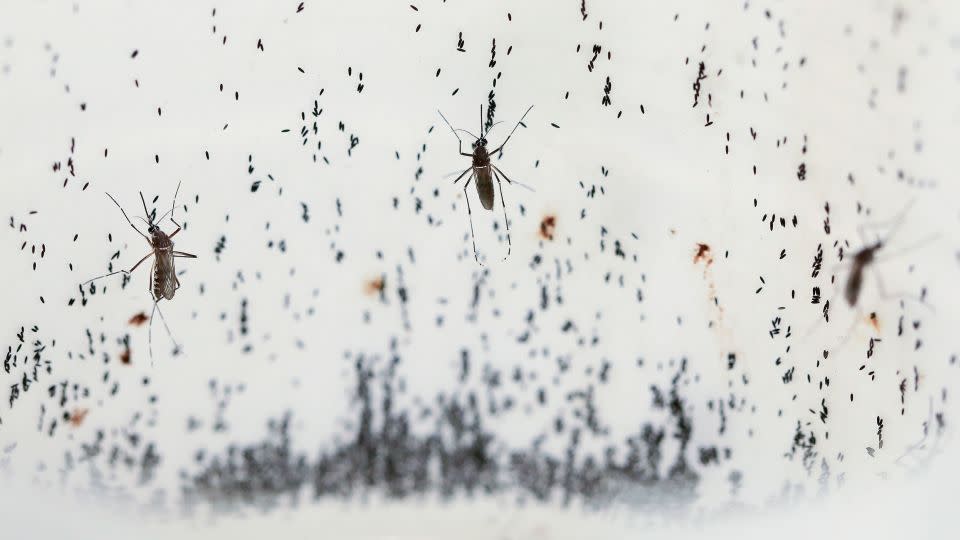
(164, 276)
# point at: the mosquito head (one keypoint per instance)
(480, 143)
(865, 256)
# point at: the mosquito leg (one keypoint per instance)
(468, 169)
(823, 318)
(176, 346)
(127, 218)
(511, 132)
(506, 220)
(182, 254)
(470, 217)
(462, 153)
(921, 444)
(907, 249)
(156, 308)
(858, 316)
(452, 174)
(150, 332)
(509, 181)
(130, 271)
(839, 266)
(172, 207)
(834, 280)
(896, 221)
(882, 289)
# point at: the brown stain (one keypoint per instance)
(874, 321)
(125, 357)
(78, 416)
(703, 254)
(547, 226)
(138, 319)
(374, 286)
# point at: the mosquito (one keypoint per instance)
(163, 275)
(865, 258)
(484, 172)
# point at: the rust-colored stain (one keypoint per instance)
(703, 254)
(547, 226)
(77, 417)
(125, 356)
(374, 286)
(874, 321)
(138, 319)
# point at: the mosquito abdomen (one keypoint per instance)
(164, 275)
(485, 187)
(852, 291)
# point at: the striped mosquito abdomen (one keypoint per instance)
(164, 273)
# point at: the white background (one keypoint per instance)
(670, 183)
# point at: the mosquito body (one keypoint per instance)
(863, 260)
(483, 173)
(163, 274)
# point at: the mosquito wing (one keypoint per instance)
(164, 276)
(485, 187)
(851, 291)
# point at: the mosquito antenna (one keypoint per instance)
(916, 245)
(492, 125)
(481, 118)
(468, 133)
(514, 129)
(899, 221)
(127, 217)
